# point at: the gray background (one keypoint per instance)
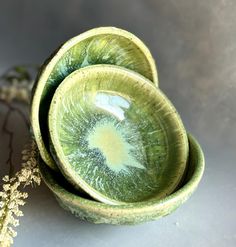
(194, 44)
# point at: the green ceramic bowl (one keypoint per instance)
(104, 45)
(117, 136)
(133, 213)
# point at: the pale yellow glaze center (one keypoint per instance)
(113, 146)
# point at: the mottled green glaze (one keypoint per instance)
(117, 136)
(132, 213)
(106, 45)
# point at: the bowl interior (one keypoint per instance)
(116, 136)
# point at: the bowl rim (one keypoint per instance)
(181, 194)
(49, 65)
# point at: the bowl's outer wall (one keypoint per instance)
(135, 213)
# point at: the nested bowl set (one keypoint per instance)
(113, 148)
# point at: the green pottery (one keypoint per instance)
(117, 136)
(105, 45)
(131, 213)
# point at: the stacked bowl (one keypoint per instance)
(113, 148)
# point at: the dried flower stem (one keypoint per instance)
(10, 144)
(11, 197)
(5, 129)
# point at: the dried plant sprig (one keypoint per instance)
(16, 85)
(13, 93)
(11, 198)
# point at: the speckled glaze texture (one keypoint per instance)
(108, 140)
(132, 213)
(106, 45)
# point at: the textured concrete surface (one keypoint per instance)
(194, 44)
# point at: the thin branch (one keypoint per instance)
(10, 143)
(5, 130)
(13, 108)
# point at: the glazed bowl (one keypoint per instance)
(104, 45)
(116, 136)
(88, 209)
